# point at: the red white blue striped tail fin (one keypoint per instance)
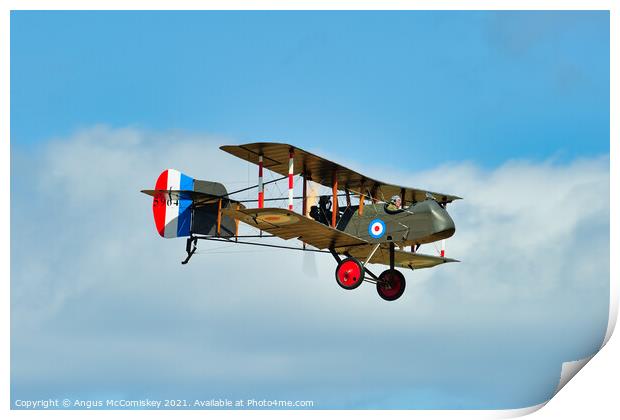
(173, 215)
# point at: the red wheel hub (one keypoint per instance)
(349, 273)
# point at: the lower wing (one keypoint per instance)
(403, 259)
(287, 224)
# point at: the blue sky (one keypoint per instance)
(500, 108)
(516, 85)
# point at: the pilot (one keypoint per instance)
(394, 204)
(322, 213)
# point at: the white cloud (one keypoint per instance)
(92, 282)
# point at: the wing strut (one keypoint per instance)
(304, 198)
(261, 192)
(334, 199)
(291, 161)
(360, 210)
(304, 195)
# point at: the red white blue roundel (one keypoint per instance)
(376, 228)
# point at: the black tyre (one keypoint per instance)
(349, 273)
(391, 284)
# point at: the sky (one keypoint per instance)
(509, 110)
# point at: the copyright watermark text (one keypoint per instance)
(147, 403)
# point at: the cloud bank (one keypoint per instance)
(102, 307)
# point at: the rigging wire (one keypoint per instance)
(254, 186)
(266, 245)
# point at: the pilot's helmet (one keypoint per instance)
(395, 200)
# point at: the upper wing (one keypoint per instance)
(401, 258)
(323, 171)
(287, 224)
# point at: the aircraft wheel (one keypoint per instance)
(391, 284)
(349, 273)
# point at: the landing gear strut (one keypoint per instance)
(391, 283)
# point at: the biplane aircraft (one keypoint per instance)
(385, 217)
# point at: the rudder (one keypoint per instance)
(173, 217)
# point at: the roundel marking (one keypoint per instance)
(376, 228)
(277, 218)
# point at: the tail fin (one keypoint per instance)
(183, 205)
(172, 215)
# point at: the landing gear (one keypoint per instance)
(349, 273)
(391, 284)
